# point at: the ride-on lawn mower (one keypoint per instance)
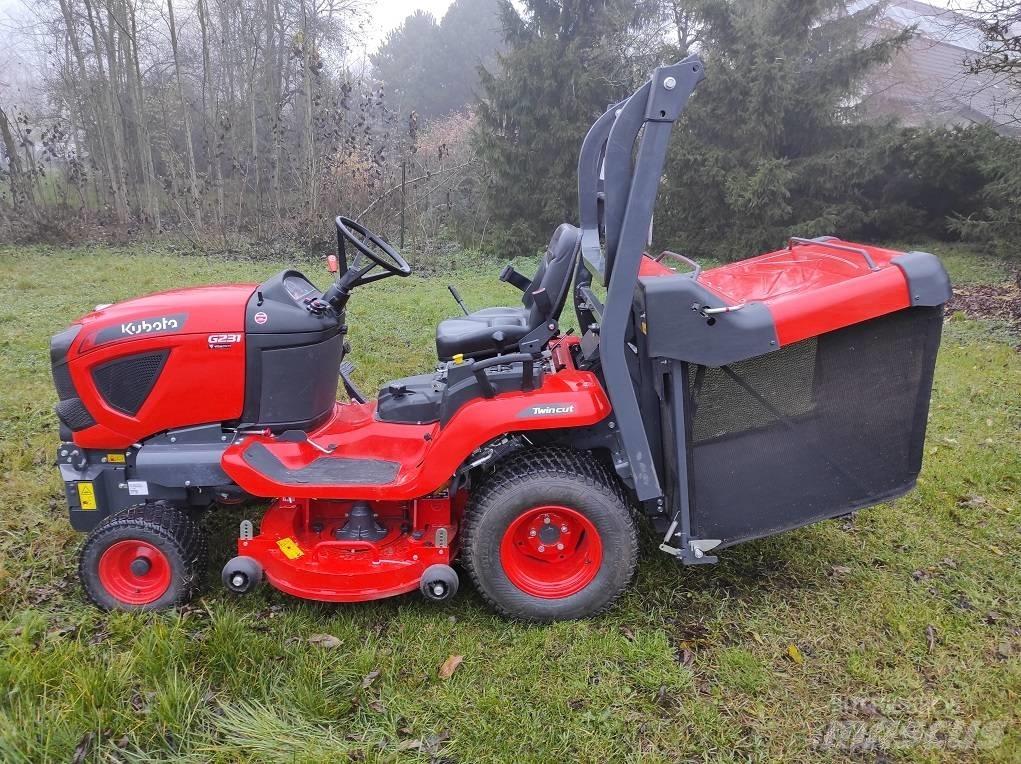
(725, 405)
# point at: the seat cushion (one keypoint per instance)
(472, 337)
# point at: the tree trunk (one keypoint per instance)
(91, 127)
(213, 146)
(19, 198)
(137, 100)
(192, 172)
(111, 125)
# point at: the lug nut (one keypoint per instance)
(545, 519)
(560, 547)
(563, 528)
(531, 532)
(542, 548)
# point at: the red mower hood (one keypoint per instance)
(193, 310)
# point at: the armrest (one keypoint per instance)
(516, 279)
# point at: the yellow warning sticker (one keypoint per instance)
(86, 495)
(290, 548)
(115, 458)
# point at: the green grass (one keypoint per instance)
(692, 665)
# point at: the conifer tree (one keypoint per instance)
(548, 87)
(771, 144)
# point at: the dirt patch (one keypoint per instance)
(1001, 302)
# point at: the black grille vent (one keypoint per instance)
(127, 382)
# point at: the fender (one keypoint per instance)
(423, 458)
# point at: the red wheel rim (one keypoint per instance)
(135, 572)
(551, 552)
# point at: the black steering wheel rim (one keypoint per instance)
(395, 265)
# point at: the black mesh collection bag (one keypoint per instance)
(813, 430)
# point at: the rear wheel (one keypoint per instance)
(550, 537)
(148, 557)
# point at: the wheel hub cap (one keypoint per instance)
(135, 572)
(551, 552)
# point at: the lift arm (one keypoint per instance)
(630, 198)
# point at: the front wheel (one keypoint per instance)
(550, 537)
(148, 557)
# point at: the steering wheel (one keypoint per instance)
(380, 253)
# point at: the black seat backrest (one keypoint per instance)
(553, 276)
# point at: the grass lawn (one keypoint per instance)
(905, 621)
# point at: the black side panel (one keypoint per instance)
(70, 410)
(813, 430)
(326, 470)
(299, 384)
(293, 355)
(126, 382)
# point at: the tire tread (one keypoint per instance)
(525, 467)
(161, 519)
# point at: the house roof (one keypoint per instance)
(928, 82)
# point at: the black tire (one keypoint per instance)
(542, 477)
(180, 548)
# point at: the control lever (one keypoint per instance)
(346, 369)
(457, 298)
(300, 436)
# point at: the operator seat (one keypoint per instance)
(491, 331)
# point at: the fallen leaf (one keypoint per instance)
(433, 743)
(324, 640)
(662, 696)
(992, 617)
(371, 677)
(795, 654)
(409, 745)
(1006, 650)
(450, 666)
(81, 751)
(839, 570)
(377, 706)
(140, 703)
(686, 657)
(758, 638)
(930, 637)
(867, 708)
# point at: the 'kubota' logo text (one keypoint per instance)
(142, 327)
(161, 324)
(549, 409)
